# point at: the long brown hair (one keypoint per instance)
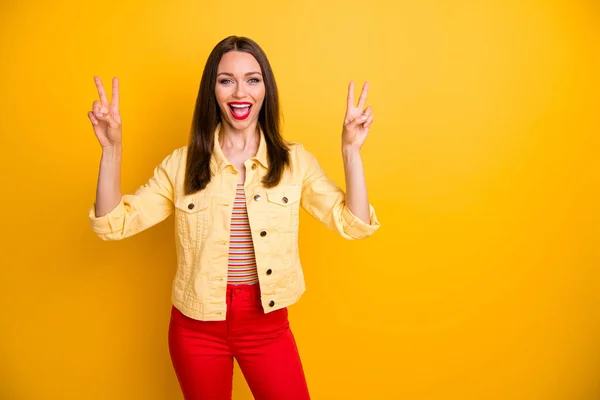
(207, 116)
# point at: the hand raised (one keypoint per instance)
(105, 116)
(358, 119)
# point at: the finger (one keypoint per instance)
(110, 120)
(369, 120)
(350, 104)
(355, 122)
(114, 112)
(368, 111)
(98, 107)
(117, 117)
(101, 92)
(363, 96)
(92, 119)
(115, 93)
(351, 117)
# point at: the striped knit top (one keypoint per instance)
(242, 262)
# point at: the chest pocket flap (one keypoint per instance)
(284, 195)
(192, 203)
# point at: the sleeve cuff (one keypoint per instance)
(355, 227)
(109, 222)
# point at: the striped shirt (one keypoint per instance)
(242, 262)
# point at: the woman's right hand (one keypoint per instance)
(105, 116)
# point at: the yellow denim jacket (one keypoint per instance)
(202, 222)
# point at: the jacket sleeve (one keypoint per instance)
(150, 204)
(325, 201)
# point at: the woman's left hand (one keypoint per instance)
(357, 121)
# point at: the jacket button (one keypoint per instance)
(285, 199)
(191, 205)
(272, 303)
(253, 165)
(263, 234)
(269, 272)
(257, 197)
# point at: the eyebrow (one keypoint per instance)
(246, 74)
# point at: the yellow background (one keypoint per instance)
(482, 164)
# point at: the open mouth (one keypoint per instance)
(240, 110)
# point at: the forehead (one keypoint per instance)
(238, 61)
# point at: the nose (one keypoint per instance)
(240, 91)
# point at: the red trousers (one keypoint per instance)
(202, 352)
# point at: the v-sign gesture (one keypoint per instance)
(358, 119)
(105, 116)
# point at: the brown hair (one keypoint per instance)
(207, 115)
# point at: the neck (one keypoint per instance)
(240, 139)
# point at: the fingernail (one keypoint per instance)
(99, 115)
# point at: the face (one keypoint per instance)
(240, 89)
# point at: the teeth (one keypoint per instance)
(240, 106)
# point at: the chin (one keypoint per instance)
(243, 124)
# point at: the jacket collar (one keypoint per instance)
(219, 161)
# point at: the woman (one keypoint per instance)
(235, 191)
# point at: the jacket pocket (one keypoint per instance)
(191, 220)
(283, 207)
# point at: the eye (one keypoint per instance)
(224, 81)
(254, 80)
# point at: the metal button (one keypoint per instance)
(272, 303)
(191, 205)
(269, 271)
(285, 199)
(253, 165)
(263, 234)
(257, 197)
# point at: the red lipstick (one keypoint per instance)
(240, 109)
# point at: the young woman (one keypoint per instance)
(235, 190)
